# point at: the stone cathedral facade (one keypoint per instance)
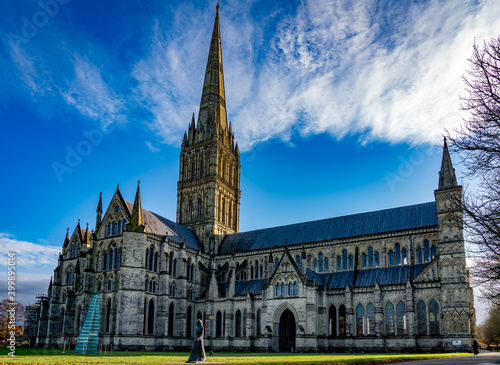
(390, 280)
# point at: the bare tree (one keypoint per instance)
(478, 143)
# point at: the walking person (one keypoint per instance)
(475, 347)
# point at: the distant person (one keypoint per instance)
(65, 343)
(475, 347)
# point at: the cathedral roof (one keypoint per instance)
(251, 286)
(389, 220)
(159, 225)
(364, 278)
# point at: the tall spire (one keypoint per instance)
(447, 178)
(99, 212)
(213, 99)
(136, 223)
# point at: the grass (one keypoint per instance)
(55, 357)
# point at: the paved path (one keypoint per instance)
(484, 357)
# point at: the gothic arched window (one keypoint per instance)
(218, 324)
(421, 318)
(332, 321)
(433, 318)
(389, 319)
(398, 254)
(342, 317)
(360, 317)
(370, 318)
(370, 257)
(320, 262)
(171, 319)
(238, 324)
(427, 253)
(401, 315)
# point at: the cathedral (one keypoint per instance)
(390, 280)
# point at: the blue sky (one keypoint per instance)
(337, 106)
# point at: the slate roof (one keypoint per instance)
(251, 286)
(389, 220)
(162, 226)
(364, 278)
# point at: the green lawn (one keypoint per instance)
(45, 356)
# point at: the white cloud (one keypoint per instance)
(340, 73)
(28, 254)
(89, 94)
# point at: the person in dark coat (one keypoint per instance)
(198, 350)
(475, 347)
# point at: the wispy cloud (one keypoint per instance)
(384, 70)
(33, 263)
(28, 254)
(338, 69)
(89, 94)
(152, 148)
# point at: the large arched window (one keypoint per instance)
(151, 317)
(344, 260)
(389, 319)
(370, 257)
(251, 272)
(420, 257)
(377, 259)
(170, 263)
(108, 316)
(62, 321)
(189, 321)
(115, 256)
(401, 315)
(77, 319)
(404, 253)
(342, 317)
(339, 264)
(171, 319)
(218, 324)
(360, 317)
(391, 258)
(238, 324)
(327, 266)
(258, 319)
(398, 254)
(320, 262)
(315, 265)
(421, 318)
(244, 323)
(364, 260)
(351, 262)
(427, 251)
(433, 318)
(332, 321)
(370, 319)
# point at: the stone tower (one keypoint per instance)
(208, 191)
(457, 312)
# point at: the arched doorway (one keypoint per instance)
(287, 331)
